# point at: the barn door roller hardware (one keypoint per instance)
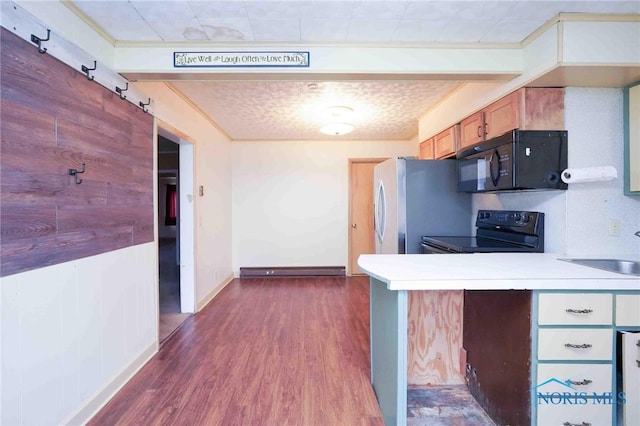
(86, 70)
(75, 173)
(143, 105)
(120, 90)
(38, 41)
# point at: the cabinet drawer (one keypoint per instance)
(584, 413)
(586, 344)
(575, 308)
(628, 310)
(584, 377)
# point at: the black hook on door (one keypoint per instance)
(143, 105)
(86, 69)
(120, 90)
(75, 173)
(38, 41)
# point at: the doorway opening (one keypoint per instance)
(175, 223)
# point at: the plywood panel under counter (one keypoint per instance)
(435, 337)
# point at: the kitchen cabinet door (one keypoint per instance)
(446, 143)
(426, 150)
(472, 130)
(503, 115)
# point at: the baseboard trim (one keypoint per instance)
(209, 297)
(95, 404)
(293, 271)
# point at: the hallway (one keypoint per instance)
(169, 290)
(263, 352)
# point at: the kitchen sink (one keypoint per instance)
(620, 266)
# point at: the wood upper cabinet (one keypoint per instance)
(472, 129)
(442, 145)
(445, 144)
(529, 108)
(426, 150)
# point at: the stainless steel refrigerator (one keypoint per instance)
(415, 198)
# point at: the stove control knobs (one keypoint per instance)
(526, 218)
(518, 217)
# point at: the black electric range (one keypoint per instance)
(497, 231)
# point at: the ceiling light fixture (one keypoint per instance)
(336, 129)
(338, 111)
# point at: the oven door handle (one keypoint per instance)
(429, 249)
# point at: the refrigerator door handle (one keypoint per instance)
(379, 212)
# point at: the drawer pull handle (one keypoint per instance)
(582, 383)
(581, 346)
(579, 311)
(576, 424)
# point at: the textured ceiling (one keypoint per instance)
(386, 110)
(289, 110)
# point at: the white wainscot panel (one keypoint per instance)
(89, 327)
(10, 343)
(42, 355)
(114, 290)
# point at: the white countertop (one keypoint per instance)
(492, 271)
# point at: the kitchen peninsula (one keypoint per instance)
(393, 276)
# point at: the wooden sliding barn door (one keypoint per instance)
(54, 119)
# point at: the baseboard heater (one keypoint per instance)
(293, 271)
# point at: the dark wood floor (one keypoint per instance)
(264, 352)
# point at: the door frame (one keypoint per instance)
(353, 161)
(186, 208)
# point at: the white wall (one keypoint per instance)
(290, 200)
(594, 120)
(72, 332)
(577, 219)
(212, 153)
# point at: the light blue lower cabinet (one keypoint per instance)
(579, 374)
(577, 368)
(389, 346)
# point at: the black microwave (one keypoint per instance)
(517, 160)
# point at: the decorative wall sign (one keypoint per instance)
(240, 59)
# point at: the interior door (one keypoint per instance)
(361, 215)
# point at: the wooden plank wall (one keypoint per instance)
(53, 118)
